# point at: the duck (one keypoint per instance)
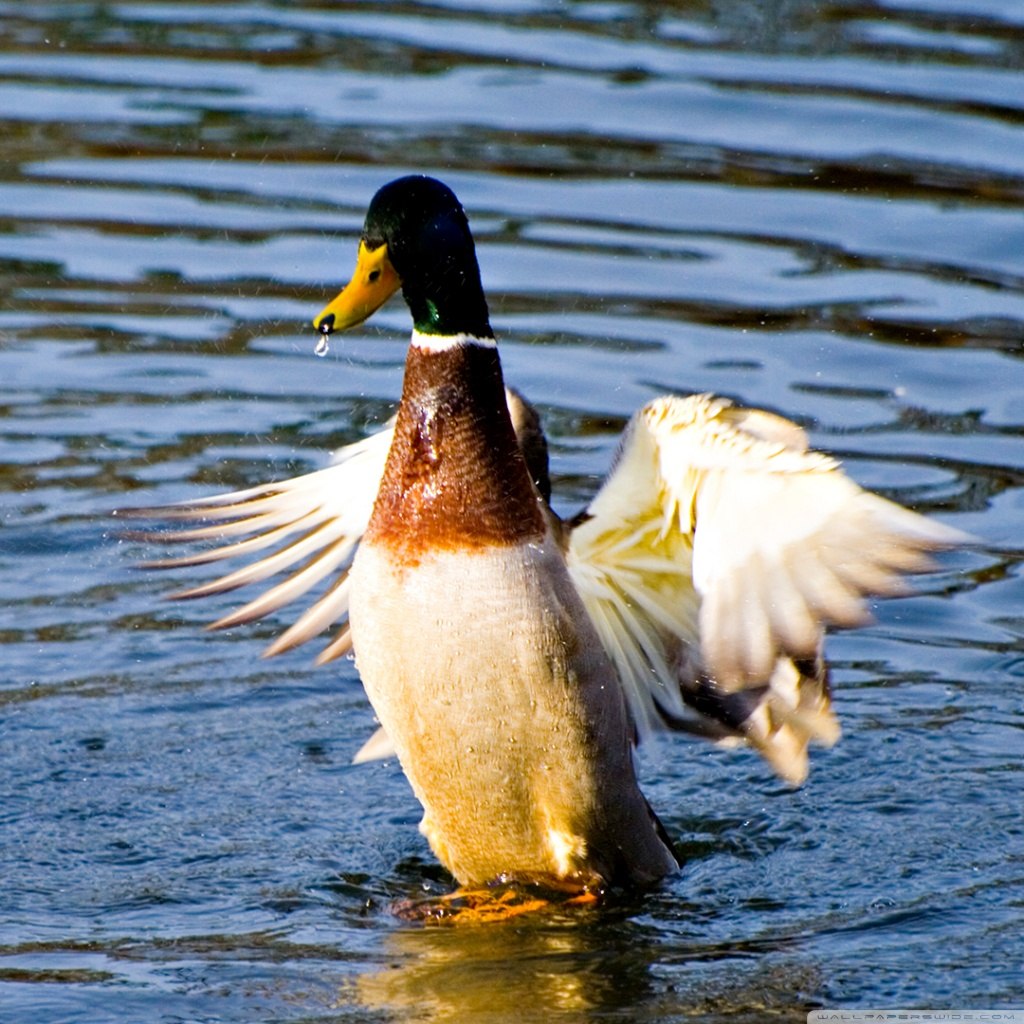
(516, 660)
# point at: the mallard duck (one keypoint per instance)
(515, 660)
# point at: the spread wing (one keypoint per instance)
(713, 558)
(308, 527)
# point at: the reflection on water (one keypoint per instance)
(583, 970)
(458, 974)
(808, 206)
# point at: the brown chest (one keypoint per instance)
(455, 477)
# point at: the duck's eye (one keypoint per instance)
(373, 276)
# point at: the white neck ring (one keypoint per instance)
(447, 342)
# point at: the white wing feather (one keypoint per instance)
(314, 523)
(720, 547)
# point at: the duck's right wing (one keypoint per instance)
(712, 560)
(308, 527)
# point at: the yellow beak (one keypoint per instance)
(373, 283)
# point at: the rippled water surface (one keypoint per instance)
(811, 206)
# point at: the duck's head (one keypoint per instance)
(416, 236)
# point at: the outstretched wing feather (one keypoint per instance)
(328, 510)
(769, 543)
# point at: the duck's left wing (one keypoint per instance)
(714, 556)
(307, 527)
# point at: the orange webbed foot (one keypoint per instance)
(491, 904)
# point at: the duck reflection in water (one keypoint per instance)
(591, 966)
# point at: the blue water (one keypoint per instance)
(809, 206)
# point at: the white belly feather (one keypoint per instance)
(504, 710)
